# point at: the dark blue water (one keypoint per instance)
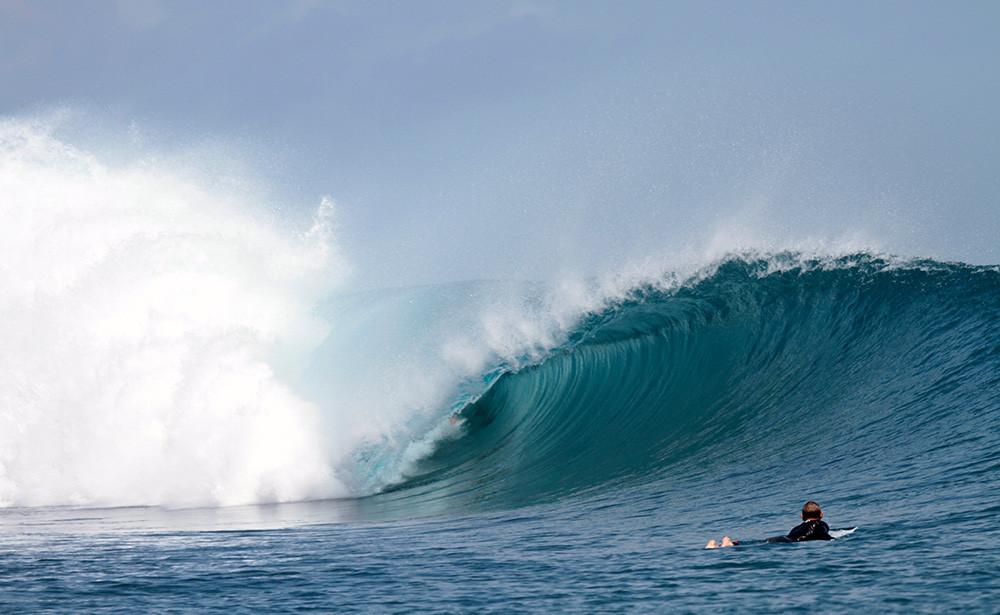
(592, 480)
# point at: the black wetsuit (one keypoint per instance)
(813, 529)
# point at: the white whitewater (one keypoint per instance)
(145, 321)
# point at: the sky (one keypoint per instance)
(530, 139)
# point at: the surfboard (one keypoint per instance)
(840, 532)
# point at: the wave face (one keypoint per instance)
(871, 369)
(168, 342)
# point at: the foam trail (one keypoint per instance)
(149, 325)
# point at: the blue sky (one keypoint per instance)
(531, 138)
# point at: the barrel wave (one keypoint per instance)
(857, 376)
(171, 342)
(176, 357)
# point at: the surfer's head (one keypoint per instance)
(811, 510)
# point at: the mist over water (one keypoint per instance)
(168, 342)
(537, 139)
(172, 342)
(150, 326)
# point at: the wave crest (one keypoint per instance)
(755, 359)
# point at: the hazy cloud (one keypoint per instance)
(140, 14)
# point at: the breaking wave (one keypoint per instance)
(168, 342)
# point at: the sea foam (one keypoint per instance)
(148, 326)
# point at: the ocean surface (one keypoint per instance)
(577, 466)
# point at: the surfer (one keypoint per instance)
(812, 528)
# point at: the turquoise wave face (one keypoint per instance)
(855, 369)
